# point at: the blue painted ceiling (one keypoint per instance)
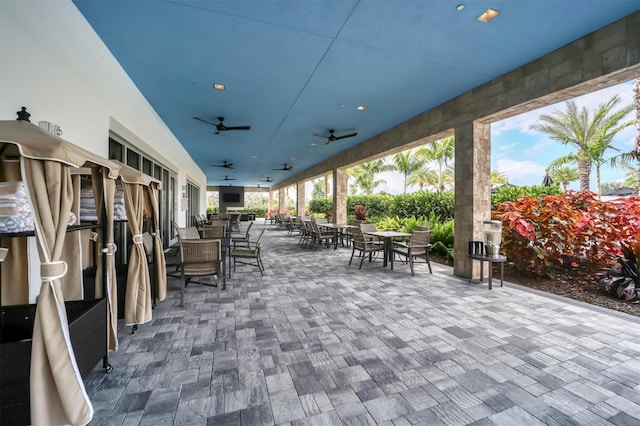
(294, 68)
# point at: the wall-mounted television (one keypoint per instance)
(230, 197)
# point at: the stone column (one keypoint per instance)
(281, 200)
(340, 186)
(472, 191)
(300, 198)
(270, 205)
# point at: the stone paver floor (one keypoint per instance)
(318, 342)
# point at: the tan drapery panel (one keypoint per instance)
(58, 395)
(160, 264)
(71, 283)
(104, 189)
(15, 272)
(137, 302)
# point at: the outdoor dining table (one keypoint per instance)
(337, 228)
(387, 236)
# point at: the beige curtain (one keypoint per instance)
(160, 264)
(15, 271)
(71, 283)
(137, 302)
(58, 395)
(104, 189)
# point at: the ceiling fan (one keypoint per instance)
(285, 168)
(228, 178)
(220, 127)
(268, 179)
(332, 137)
(224, 164)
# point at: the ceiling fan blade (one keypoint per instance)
(237, 128)
(320, 136)
(350, 135)
(205, 121)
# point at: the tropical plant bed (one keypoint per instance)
(571, 284)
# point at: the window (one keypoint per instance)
(166, 197)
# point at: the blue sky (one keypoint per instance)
(523, 154)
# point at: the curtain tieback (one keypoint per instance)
(137, 239)
(110, 249)
(53, 270)
(93, 236)
(3, 253)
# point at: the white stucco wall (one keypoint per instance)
(53, 63)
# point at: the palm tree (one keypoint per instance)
(365, 174)
(441, 152)
(564, 174)
(423, 178)
(498, 178)
(407, 163)
(318, 190)
(591, 136)
(632, 180)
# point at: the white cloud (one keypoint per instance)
(507, 147)
(394, 185)
(540, 147)
(521, 172)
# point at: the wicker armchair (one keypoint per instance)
(249, 255)
(214, 231)
(189, 233)
(364, 246)
(417, 247)
(200, 258)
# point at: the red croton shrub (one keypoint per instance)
(574, 230)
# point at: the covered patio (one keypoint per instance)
(317, 342)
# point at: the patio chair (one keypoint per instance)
(417, 247)
(321, 235)
(368, 227)
(242, 240)
(249, 255)
(306, 232)
(364, 246)
(234, 222)
(214, 231)
(199, 258)
(189, 233)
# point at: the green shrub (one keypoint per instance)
(377, 205)
(320, 205)
(423, 204)
(443, 232)
(511, 193)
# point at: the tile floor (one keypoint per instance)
(318, 342)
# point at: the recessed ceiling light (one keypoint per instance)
(254, 156)
(460, 7)
(312, 143)
(361, 107)
(218, 86)
(489, 15)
